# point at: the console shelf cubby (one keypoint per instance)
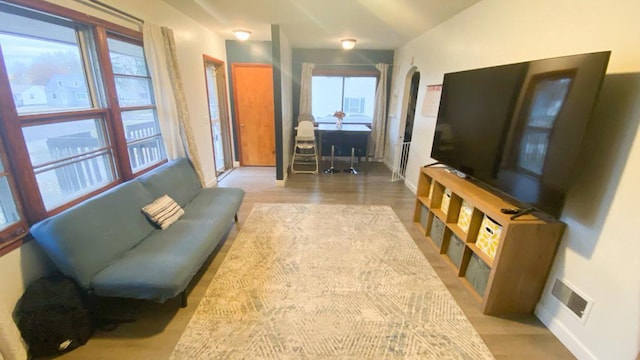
(504, 263)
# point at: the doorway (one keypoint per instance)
(411, 106)
(410, 117)
(405, 130)
(254, 114)
(218, 114)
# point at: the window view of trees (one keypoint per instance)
(45, 72)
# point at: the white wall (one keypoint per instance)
(23, 265)
(601, 247)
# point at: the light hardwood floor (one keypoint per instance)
(158, 326)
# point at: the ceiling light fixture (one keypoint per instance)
(242, 34)
(348, 44)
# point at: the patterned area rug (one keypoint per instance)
(327, 281)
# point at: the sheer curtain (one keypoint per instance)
(171, 105)
(305, 88)
(378, 124)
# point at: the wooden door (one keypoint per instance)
(253, 93)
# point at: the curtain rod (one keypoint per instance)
(116, 10)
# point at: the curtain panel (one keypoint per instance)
(171, 105)
(379, 123)
(305, 88)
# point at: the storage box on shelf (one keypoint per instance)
(503, 262)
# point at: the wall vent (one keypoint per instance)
(574, 301)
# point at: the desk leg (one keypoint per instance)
(352, 170)
(331, 170)
(366, 155)
(319, 145)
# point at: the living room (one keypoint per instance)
(598, 253)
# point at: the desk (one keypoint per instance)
(348, 136)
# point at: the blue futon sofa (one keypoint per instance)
(111, 249)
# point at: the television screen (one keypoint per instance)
(518, 128)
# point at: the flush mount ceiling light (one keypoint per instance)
(242, 34)
(348, 44)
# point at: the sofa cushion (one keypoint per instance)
(88, 237)
(163, 264)
(175, 178)
(213, 204)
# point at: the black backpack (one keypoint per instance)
(53, 317)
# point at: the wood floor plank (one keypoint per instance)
(158, 326)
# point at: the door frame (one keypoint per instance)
(235, 99)
(223, 106)
(405, 102)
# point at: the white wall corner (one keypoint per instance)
(282, 182)
(413, 187)
(563, 334)
(211, 183)
(236, 164)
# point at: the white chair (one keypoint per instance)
(305, 153)
(306, 117)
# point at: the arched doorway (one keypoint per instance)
(409, 104)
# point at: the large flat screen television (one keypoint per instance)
(518, 128)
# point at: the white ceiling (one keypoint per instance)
(320, 24)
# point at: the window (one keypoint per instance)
(69, 159)
(67, 143)
(69, 156)
(135, 98)
(8, 210)
(355, 95)
(11, 219)
(353, 105)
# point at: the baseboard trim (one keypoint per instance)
(563, 334)
(388, 164)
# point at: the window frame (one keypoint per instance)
(345, 73)
(11, 237)
(117, 116)
(102, 91)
